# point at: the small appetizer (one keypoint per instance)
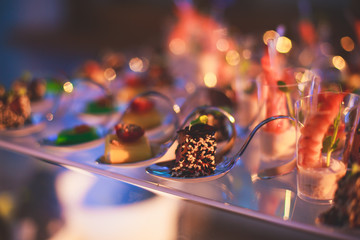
(101, 105)
(195, 154)
(318, 172)
(15, 110)
(143, 113)
(76, 135)
(129, 144)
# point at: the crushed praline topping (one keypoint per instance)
(196, 153)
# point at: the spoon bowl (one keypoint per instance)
(161, 136)
(223, 166)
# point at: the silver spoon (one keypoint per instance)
(166, 151)
(164, 170)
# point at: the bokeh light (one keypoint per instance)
(68, 87)
(49, 117)
(138, 64)
(232, 57)
(268, 35)
(347, 44)
(338, 62)
(110, 74)
(222, 45)
(210, 79)
(283, 44)
(176, 108)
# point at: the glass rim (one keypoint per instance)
(315, 77)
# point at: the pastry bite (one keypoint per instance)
(143, 112)
(15, 109)
(76, 135)
(195, 154)
(128, 144)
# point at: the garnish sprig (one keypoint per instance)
(330, 142)
(202, 119)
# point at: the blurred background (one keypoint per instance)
(52, 37)
(57, 35)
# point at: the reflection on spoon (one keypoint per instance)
(164, 169)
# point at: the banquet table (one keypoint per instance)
(64, 193)
(86, 195)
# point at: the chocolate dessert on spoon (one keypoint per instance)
(199, 155)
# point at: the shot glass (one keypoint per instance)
(278, 138)
(326, 124)
(248, 105)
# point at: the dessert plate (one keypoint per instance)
(37, 123)
(166, 152)
(161, 136)
(226, 163)
(50, 142)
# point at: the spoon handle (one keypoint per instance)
(257, 127)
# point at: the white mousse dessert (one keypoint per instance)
(320, 183)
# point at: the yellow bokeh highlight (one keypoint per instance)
(347, 44)
(176, 108)
(232, 57)
(68, 87)
(210, 79)
(338, 62)
(270, 35)
(283, 44)
(177, 46)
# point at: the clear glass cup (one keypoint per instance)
(278, 138)
(326, 124)
(247, 105)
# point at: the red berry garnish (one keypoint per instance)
(82, 128)
(128, 132)
(104, 102)
(141, 104)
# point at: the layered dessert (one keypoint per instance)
(195, 154)
(133, 85)
(346, 208)
(142, 112)
(318, 170)
(320, 183)
(128, 144)
(103, 105)
(15, 110)
(278, 138)
(76, 135)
